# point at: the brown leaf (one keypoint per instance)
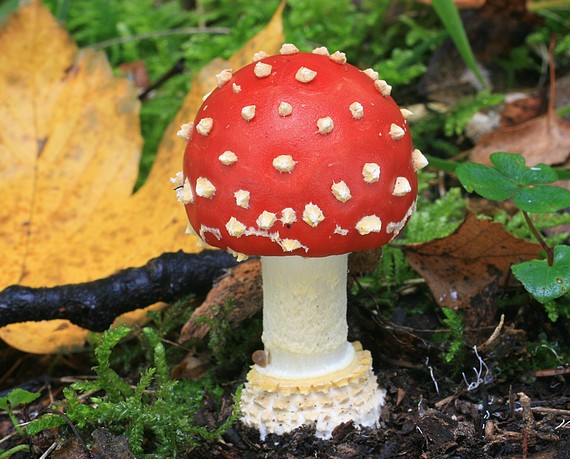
(465, 270)
(522, 109)
(242, 286)
(545, 139)
(69, 150)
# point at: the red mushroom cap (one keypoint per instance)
(299, 154)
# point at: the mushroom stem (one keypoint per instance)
(313, 376)
(304, 316)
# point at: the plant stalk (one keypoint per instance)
(539, 238)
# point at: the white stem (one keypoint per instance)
(304, 316)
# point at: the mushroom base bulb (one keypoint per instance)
(277, 406)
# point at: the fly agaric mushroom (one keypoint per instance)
(309, 160)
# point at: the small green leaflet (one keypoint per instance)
(546, 283)
(17, 397)
(511, 178)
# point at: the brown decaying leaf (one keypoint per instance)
(242, 286)
(69, 150)
(465, 269)
(522, 109)
(545, 139)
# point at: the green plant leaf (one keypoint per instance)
(486, 181)
(514, 167)
(449, 16)
(542, 199)
(543, 282)
(21, 397)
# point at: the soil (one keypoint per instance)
(413, 426)
(432, 411)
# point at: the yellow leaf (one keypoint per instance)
(70, 145)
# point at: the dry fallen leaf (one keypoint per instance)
(69, 150)
(545, 139)
(465, 269)
(522, 109)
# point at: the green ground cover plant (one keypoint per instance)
(531, 191)
(156, 405)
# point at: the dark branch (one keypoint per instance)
(94, 305)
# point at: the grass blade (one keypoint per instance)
(449, 16)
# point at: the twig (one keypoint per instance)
(552, 372)
(557, 411)
(95, 305)
(160, 34)
(539, 238)
(494, 335)
(49, 450)
(528, 421)
(177, 68)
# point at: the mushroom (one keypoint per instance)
(325, 167)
